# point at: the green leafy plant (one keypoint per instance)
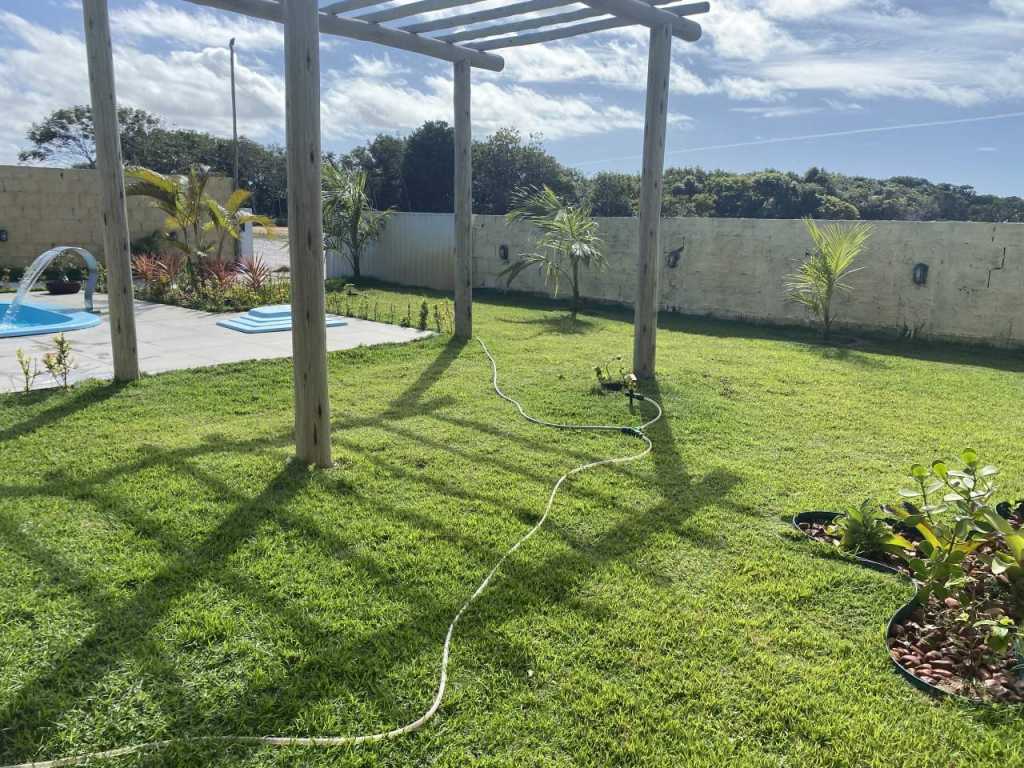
(868, 530)
(624, 379)
(29, 370)
(424, 316)
(350, 220)
(953, 526)
(196, 224)
(568, 241)
(60, 362)
(826, 270)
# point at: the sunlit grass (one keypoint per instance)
(165, 570)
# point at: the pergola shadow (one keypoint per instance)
(121, 629)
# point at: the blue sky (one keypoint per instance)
(765, 72)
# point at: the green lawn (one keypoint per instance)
(165, 570)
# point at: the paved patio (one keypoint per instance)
(172, 338)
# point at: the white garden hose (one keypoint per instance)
(349, 741)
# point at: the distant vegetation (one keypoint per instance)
(414, 173)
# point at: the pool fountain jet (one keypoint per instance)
(21, 319)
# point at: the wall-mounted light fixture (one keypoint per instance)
(3, 235)
(920, 274)
(503, 252)
(673, 257)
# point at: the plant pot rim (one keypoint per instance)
(828, 517)
(917, 682)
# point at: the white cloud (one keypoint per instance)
(987, 149)
(777, 112)
(373, 66)
(1009, 7)
(617, 62)
(748, 34)
(193, 27)
(46, 70)
(357, 108)
(749, 89)
(805, 9)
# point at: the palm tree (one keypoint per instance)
(202, 224)
(350, 220)
(569, 240)
(825, 271)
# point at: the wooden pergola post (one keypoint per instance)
(645, 323)
(463, 203)
(305, 232)
(110, 167)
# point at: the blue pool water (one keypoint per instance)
(36, 319)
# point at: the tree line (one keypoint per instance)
(415, 173)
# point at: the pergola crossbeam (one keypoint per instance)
(367, 32)
(564, 32)
(413, 9)
(638, 12)
(550, 20)
(476, 17)
(348, 5)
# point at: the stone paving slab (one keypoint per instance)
(173, 338)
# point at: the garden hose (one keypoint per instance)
(350, 741)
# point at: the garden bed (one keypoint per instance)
(941, 643)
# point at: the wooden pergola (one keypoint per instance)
(466, 38)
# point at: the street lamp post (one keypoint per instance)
(234, 110)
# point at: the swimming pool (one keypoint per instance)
(36, 319)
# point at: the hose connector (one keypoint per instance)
(632, 432)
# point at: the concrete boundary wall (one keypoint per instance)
(738, 268)
(45, 207)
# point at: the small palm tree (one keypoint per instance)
(825, 271)
(569, 240)
(350, 220)
(202, 224)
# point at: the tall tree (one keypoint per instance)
(505, 162)
(428, 168)
(67, 137)
(381, 160)
(614, 194)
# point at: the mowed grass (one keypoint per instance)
(166, 571)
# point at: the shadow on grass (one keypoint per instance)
(564, 325)
(65, 404)
(121, 629)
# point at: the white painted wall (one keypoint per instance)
(737, 268)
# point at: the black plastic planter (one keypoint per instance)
(932, 690)
(63, 287)
(901, 615)
(830, 517)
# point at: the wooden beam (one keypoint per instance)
(361, 30)
(463, 203)
(549, 35)
(538, 22)
(642, 13)
(645, 321)
(305, 232)
(504, 12)
(113, 208)
(413, 9)
(349, 5)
